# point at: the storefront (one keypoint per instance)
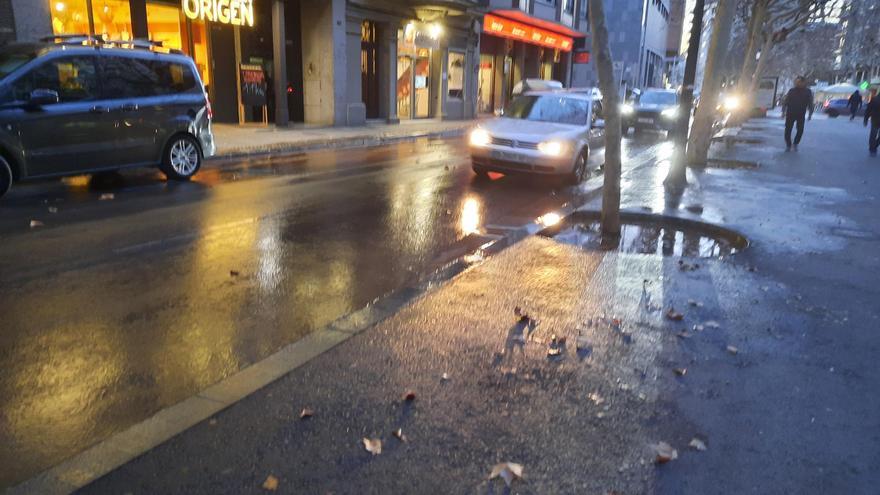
(515, 46)
(230, 42)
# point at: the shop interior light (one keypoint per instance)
(435, 30)
(59, 6)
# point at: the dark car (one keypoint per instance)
(653, 109)
(73, 106)
(840, 106)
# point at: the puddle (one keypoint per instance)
(650, 234)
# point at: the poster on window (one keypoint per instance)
(253, 85)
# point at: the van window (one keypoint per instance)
(129, 77)
(74, 78)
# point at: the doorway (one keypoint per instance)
(370, 69)
(486, 91)
(414, 85)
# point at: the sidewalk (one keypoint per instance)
(234, 141)
(792, 409)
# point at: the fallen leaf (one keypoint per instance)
(444, 376)
(271, 483)
(731, 349)
(409, 395)
(398, 434)
(36, 223)
(683, 334)
(582, 343)
(712, 324)
(373, 446)
(674, 315)
(508, 471)
(212, 422)
(107, 197)
(696, 304)
(596, 398)
(234, 273)
(680, 371)
(665, 453)
(699, 328)
(697, 444)
(616, 322)
(53, 209)
(554, 351)
(306, 413)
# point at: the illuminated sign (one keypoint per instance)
(506, 28)
(234, 12)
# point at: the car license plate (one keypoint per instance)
(644, 120)
(507, 157)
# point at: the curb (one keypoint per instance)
(124, 446)
(353, 142)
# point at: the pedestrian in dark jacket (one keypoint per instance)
(872, 111)
(855, 102)
(798, 102)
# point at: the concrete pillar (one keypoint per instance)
(33, 20)
(519, 62)
(279, 59)
(324, 61)
(439, 83)
(388, 72)
(355, 108)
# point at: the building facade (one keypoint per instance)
(340, 62)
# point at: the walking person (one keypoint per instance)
(855, 103)
(798, 102)
(872, 111)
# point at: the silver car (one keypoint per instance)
(542, 133)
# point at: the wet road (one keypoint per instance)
(137, 293)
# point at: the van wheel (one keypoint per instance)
(482, 174)
(182, 158)
(580, 172)
(5, 176)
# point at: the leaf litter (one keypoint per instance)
(508, 471)
(373, 445)
(271, 483)
(664, 453)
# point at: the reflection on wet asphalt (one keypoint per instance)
(119, 307)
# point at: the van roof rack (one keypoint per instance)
(89, 40)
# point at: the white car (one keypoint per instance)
(540, 132)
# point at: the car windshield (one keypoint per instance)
(13, 59)
(658, 98)
(549, 108)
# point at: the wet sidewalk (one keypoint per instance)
(771, 366)
(237, 141)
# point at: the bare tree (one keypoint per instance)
(701, 131)
(611, 106)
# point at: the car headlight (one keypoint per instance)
(731, 103)
(479, 137)
(551, 148)
(627, 109)
(670, 113)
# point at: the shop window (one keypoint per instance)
(112, 18)
(163, 23)
(456, 75)
(73, 78)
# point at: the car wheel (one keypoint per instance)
(580, 172)
(182, 158)
(5, 177)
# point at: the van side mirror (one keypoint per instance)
(41, 97)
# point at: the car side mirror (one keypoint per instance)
(41, 97)
(599, 124)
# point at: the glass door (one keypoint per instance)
(404, 87)
(487, 84)
(422, 84)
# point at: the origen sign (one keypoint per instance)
(234, 12)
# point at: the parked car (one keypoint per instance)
(79, 105)
(836, 107)
(543, 133)
(653, 109)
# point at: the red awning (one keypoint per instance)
(520, 16)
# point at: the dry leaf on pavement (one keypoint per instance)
(409, 395)
(234, 273)
(665, 453)
(697, 444)
(398, 434)
(712, 324)
(373, 446)
(444, 376)
(596, 398)
(508, 471)
(680, 371)
(306, 413)
(731, 349)
(674, 315)
(107, 197)
(553, 351)
(36, 223)
(53, 209)
(271, 483)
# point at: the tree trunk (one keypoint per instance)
(611, 109)
(766, 48)
(701, 130)
(676, 177)
(756, 28)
